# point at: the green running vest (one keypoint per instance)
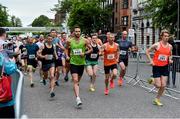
(75, 50)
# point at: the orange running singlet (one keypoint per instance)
(161, 55)
(110, 54)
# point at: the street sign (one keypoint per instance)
(131, 33)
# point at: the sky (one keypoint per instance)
(28, 10)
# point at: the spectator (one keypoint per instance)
(6, 108)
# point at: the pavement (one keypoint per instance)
(127, 101)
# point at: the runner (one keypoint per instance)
(32, 49)
(77, 46)
(92, 62)
(162, 57)
(48, 55)
(60, 62)
(111, 57)
(23, 55)
(40, 44)
(124, 46)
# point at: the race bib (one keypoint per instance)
(77, 51)
(122, 52)
(31, 56)
(110, 56)
(24, 49)
(162, 58)
(49, 57)
(94, 56)
(24, 53)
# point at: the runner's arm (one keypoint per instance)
(88, 46)
(39, 52)
(170, 58)
(118, 52)
(152, 48)
(67, 48)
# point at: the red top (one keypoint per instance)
(110, 54)
(161, 55)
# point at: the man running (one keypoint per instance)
(40, 44)
(162, 58)
(60, 62)
(77, 46)
(111, 57)
(32, 49)
(48, 55)
(124, 46)
(92, 62)
(23, 56)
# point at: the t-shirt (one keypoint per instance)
(40, 44)
(124, 46)
(32, 49)
(55, 40)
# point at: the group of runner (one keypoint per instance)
(58, 55)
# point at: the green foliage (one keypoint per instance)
(88, 14)
(14, 21)
(42, 21)
(3, 16)
(163, 13)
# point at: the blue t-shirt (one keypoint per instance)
(55, 40)
(32, 49)
(124, 46)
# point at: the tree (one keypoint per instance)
(163, 13)
(88, 14)
(15, 21)
(3, 16)
(42, 21)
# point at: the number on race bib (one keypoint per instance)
(24, 53)
(162, 58)
(122, 52)
(110, 56)
(49, 57)
(77, 51)
(31, 56)
(94, 56)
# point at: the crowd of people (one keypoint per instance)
(56, 55)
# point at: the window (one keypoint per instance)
(116, 21)
(124, 21)
(125, 4)
(116, 7)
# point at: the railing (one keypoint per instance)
(140, 71)
(17, 88)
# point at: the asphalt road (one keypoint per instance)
(123, 102)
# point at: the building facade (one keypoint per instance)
(122, 15)
(145, 33)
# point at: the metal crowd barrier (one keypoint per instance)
(17, 88)
(140, 71)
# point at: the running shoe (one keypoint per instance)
(112, 83)
(32, 85)
(52, 94)
(78, 101)
(44, 82)
(120, 81)
(57, 83)
(157, 102)
(92, 89)
(106, 91)
(66, 78)
(150, 80)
